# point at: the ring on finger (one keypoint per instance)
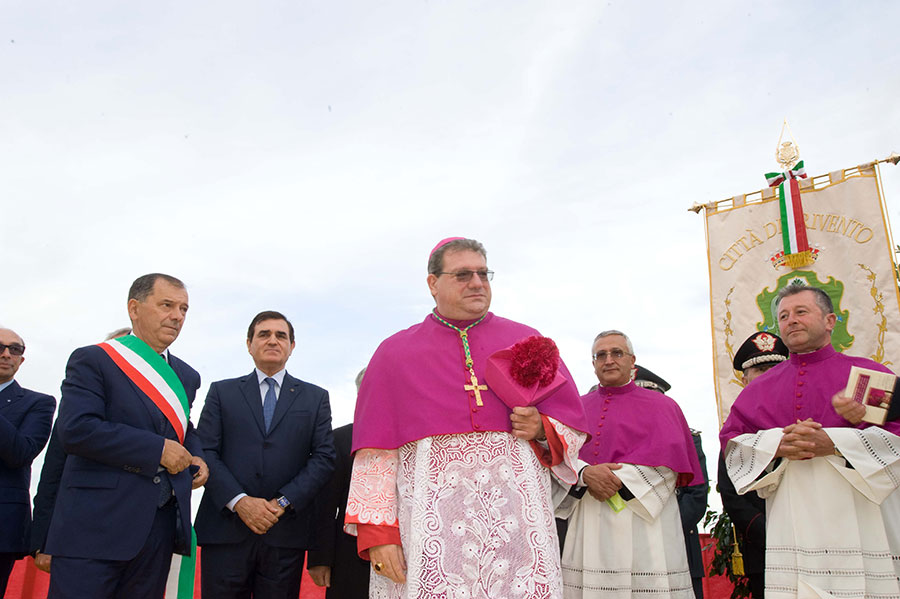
(378, 566)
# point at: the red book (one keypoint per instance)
(875, 390)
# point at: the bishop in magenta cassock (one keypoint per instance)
(825, 478)
(451, 488)
(625, 536)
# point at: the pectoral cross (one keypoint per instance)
(476, 388)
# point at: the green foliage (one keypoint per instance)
(722, 540)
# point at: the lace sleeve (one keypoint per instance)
(373, 489)
(567, 443)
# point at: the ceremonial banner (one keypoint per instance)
(852, 259)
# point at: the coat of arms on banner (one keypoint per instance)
(829, 231)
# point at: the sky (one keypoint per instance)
(305, 157)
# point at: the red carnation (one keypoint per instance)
(534, 360)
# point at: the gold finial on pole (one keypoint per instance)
(894, 158)
(787, 154)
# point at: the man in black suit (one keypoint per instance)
(267, 437)
(124, 500)
(335, 561)
(25, 418)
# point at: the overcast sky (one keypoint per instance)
(306, 156)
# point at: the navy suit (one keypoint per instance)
(25, 419)
(48, 487)
(295, 458)
(108, 496)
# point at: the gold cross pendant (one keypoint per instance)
(477, 389)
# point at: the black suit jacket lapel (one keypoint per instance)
(290, 389)
(250, 390)
(10, 394)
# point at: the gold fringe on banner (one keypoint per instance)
(798, 260)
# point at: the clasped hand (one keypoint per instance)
(258, 514)
(804, 440)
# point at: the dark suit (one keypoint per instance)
(25, 418)
(48, 487)
(748, 513)
(106, 515)
(692, 503)
(295, 459)
(334, 547)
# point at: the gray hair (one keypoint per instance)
(612, 332)
(143, 286)
(118, 333)
(822, 300)
(436, 260)
(359, 378)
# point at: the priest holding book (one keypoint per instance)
(824, 479)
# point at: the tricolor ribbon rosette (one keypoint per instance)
(793, 225)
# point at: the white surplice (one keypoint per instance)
(825, 534)
(639, 550)
(474, 511)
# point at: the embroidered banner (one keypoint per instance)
(853, 260)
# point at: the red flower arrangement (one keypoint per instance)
(534, 360)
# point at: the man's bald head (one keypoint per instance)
(11, 355)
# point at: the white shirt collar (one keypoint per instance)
(278, 376)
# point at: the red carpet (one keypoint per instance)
(27, 582)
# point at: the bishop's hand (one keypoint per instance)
(527, 423)
(388, 561)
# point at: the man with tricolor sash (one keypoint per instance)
(450, 493)
(123, 505)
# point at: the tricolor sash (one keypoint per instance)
(793, 224)
(182, 573)
(153, 375)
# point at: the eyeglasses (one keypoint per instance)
(616, 354)
(14, 349)
(464, 276)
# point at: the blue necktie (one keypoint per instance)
(269, 402)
